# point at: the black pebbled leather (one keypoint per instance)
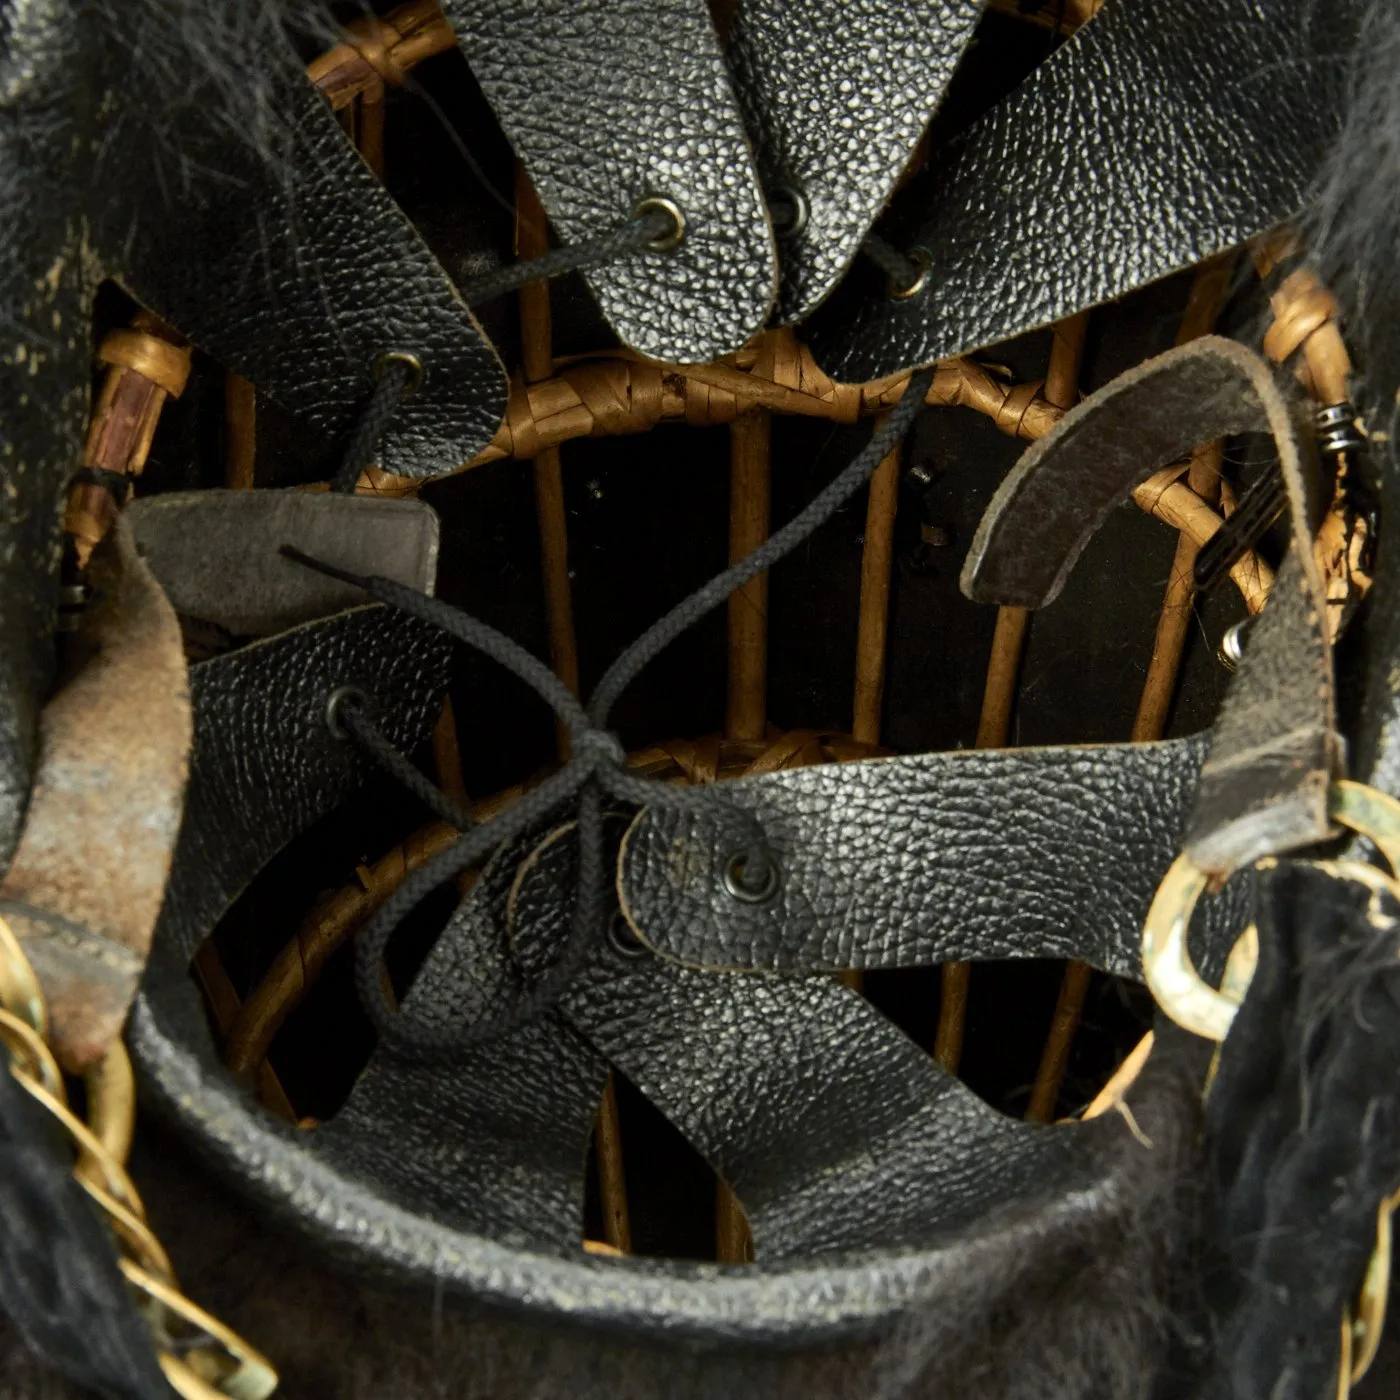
(496, 1142)
(836, 94)
(242, 215)
(265, 766)
(1156, 137)
(608, 102)
(903, 862)
(836, 1131)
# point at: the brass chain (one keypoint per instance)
(201, 1358)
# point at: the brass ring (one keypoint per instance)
(400, 357)
(923, 260)
(658, 204)
(1171, 976)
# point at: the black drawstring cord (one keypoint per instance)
(348, 712)
(395, 377)
(644, 232)
(597, 766)
(655, 229)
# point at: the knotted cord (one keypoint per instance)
(597, 766)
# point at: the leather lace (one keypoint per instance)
(596, 770)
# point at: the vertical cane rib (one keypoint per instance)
(240, 432)
(537, 362)
(877, 557)
(746, 710)
(750, 502)
(1004, 665)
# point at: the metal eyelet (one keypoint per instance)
(622, 940)
(1231, 651)
(335, 701)
(400, 357)
(658, 204)
(799, 211)
(738, 884)
(923, 260)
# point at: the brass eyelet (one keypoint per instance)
(741, 888)
(795, 225)
(400, 357)
(659, 204)
(335, 701)
(923, 260)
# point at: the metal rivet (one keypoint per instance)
(790, 210)
(738, 884)
(658, 204)
(1231, 651)
(923, 260)
(336, 701)
(400, 357)
(622, 940)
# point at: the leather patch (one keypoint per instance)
(836, 96)
(1153, 139)
(216, 553)
(86, 882)
(610, 104)
(907, 862)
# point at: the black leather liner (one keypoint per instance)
(243, 216)
(1273, 749)
(607, 104)
(1156, 137)
(903, 862)
(836, 94)
(265, 766)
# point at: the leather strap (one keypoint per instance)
(836, 97)
(1154, 138)
(495, 1143)
(265, 765)
(610, 104)
(1274, 749)
(906, 862)
(217, 553)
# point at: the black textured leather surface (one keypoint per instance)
(904, 862)
(241, 214)
(608, 102)
(836, 94)
(791, 1303)
(1273, 752)
(265, 766)
(836, 1131)
(494, 1143)
(1157, 136)
(217, 554)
